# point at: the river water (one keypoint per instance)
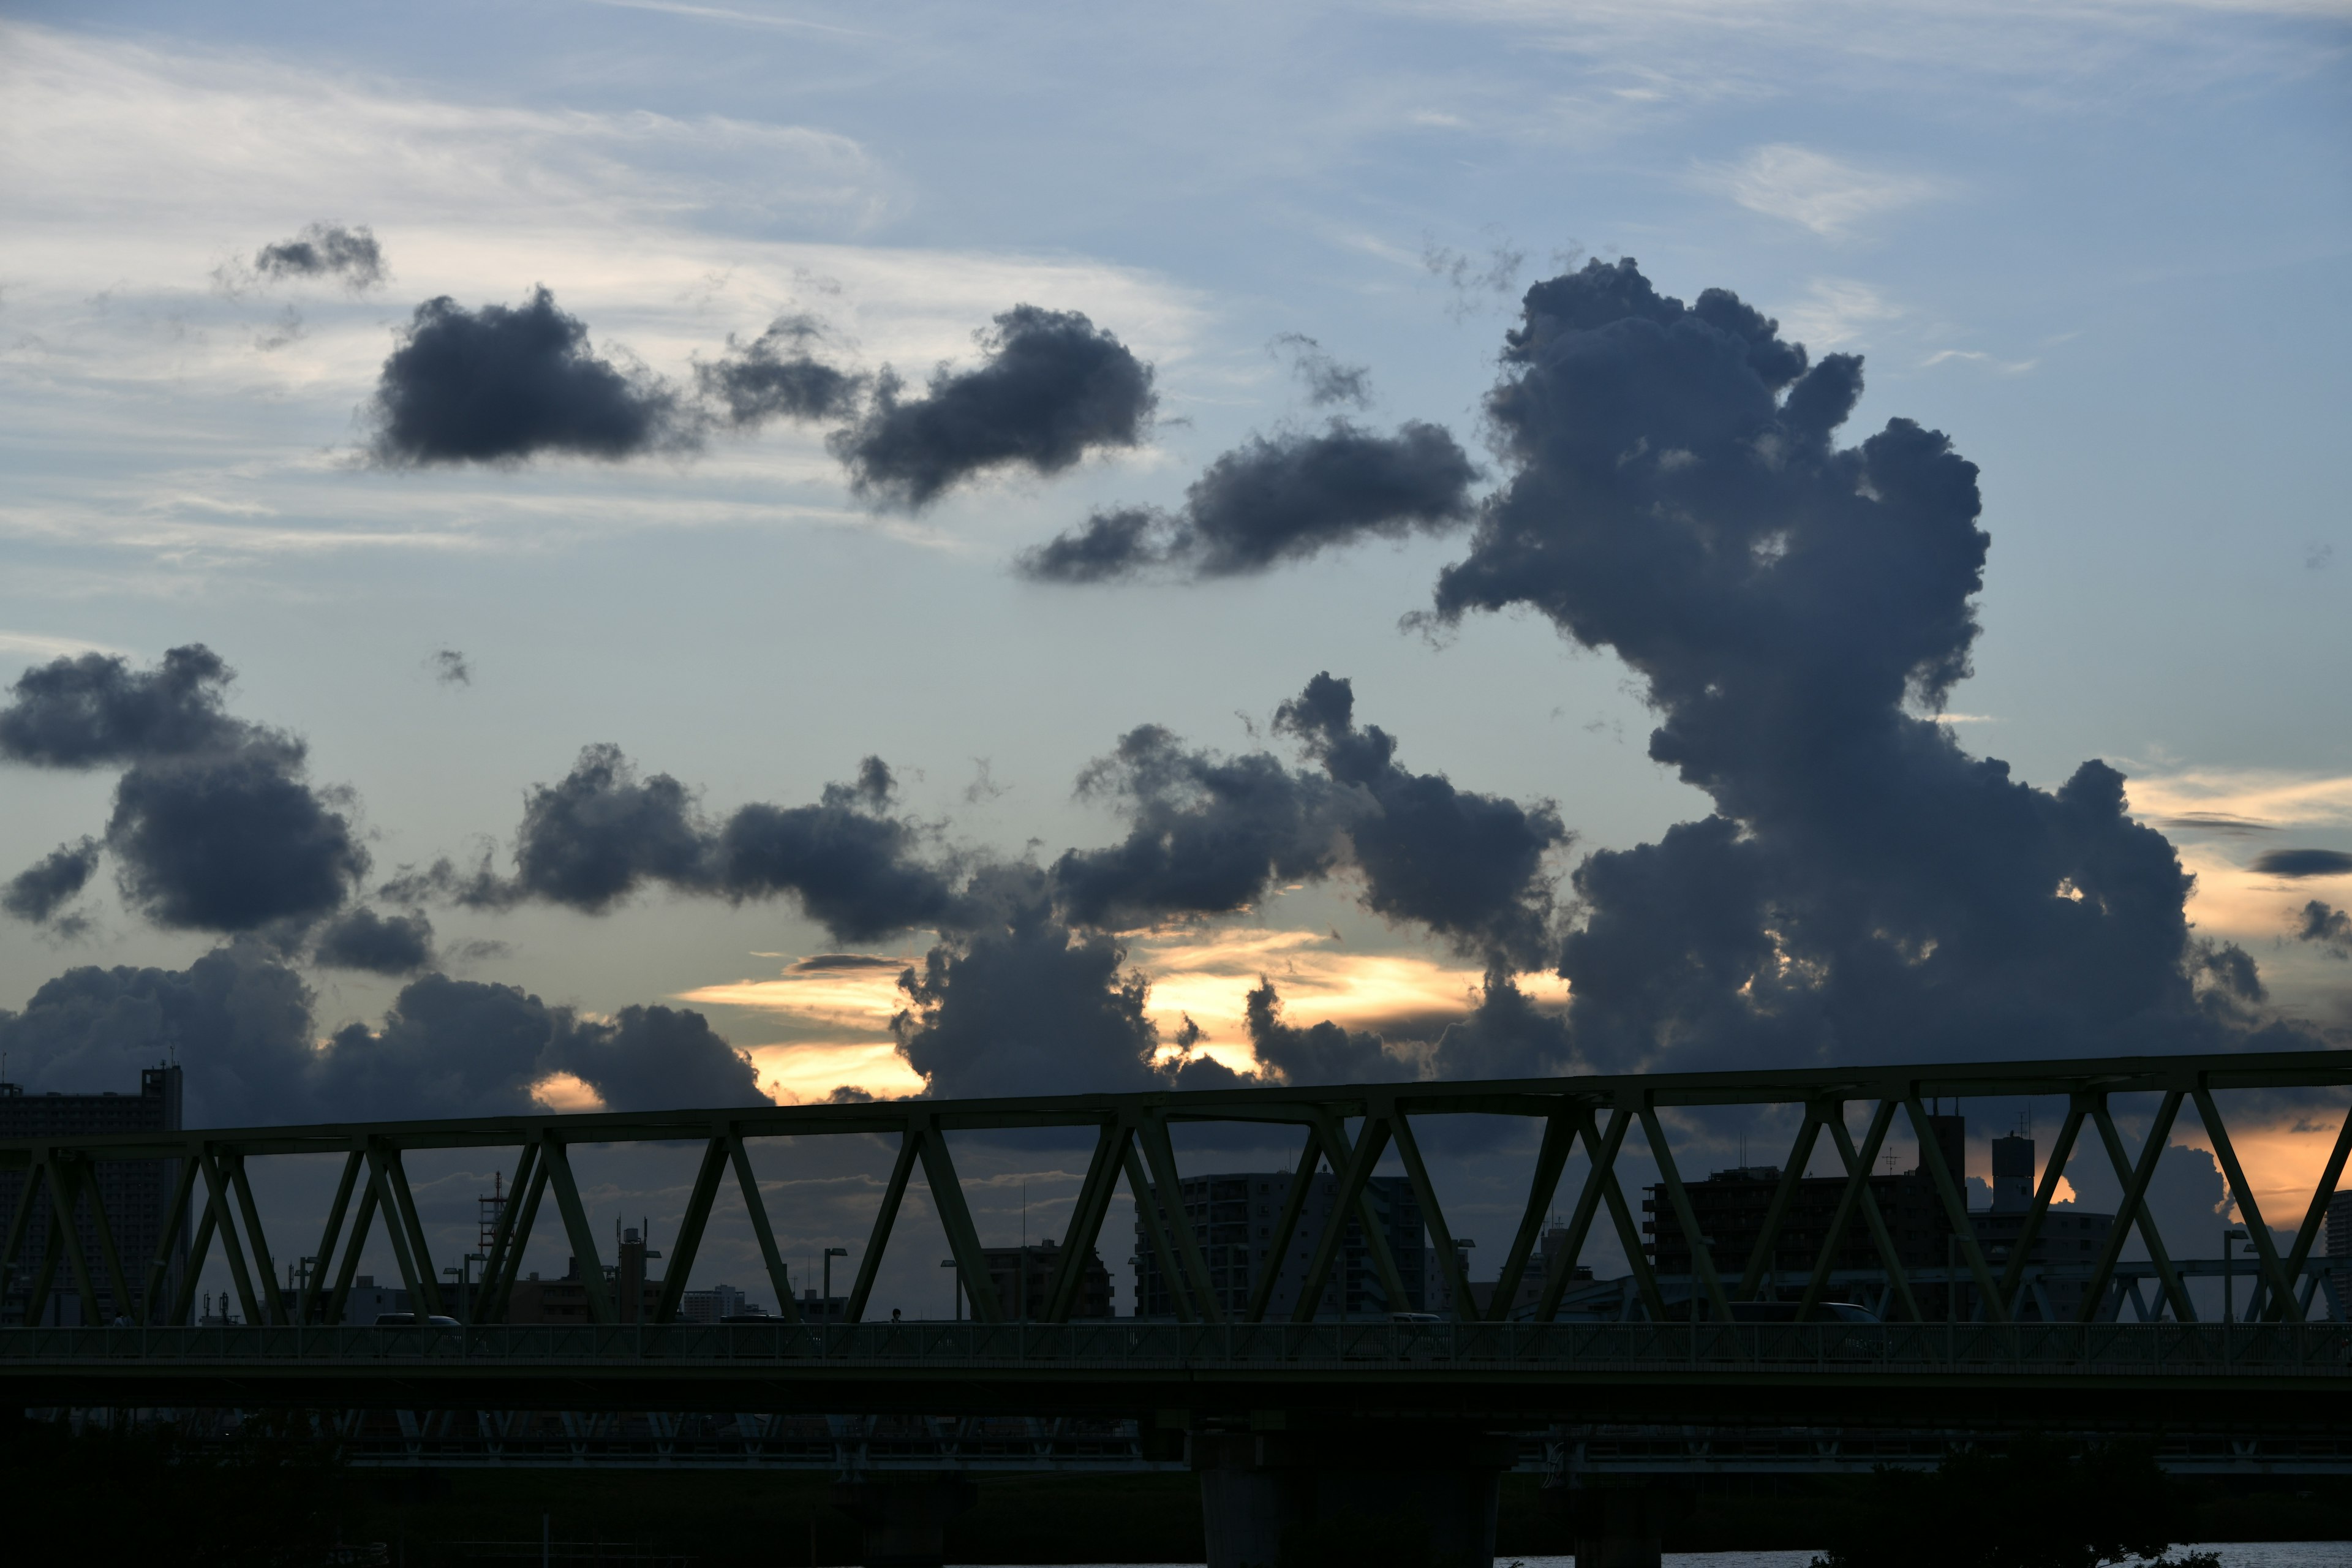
(2234, 1554)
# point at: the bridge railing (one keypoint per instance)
(1347, 1130)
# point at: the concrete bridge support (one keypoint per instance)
(1411, 1495)
(904, 1515)
(1617, 1523)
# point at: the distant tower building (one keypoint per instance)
(2012, 1173)
(136, 1194)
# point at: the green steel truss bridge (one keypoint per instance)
(1688, 1360)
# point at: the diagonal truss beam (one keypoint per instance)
(2250, 1214)
(2316, 1215)
(1956, 1214)
(1449, 1257)
(955, 1217)
(1702, 1247)
(1551, 1159)
(1086, 1216)
(2053, 1171)
(1286, 1227)
(690, 1227)
(2135, 1177)
(1763, 1262)
(1160, 1155)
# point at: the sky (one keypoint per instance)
(1270, 487)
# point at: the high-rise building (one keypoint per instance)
(2339, 1249)
(136, 1194)
(1234, 1215)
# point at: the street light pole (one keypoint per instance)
(957, 1286)
(2230, 1275)
(830, 1254)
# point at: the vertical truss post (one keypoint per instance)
(2266, 1245)
(1085, 1222)
(511, 1235)
(175, 1220)
(329, 1234)
(1702, 1247)
(263, 1264)
(1151, 1132)
(1449, 1260)
(216, 1203)
(1148, 1204)
(894, 1195)
(576, 1228)
(2316, 1215)
(2053, 1171)
(2135, 1177)
(1558, 1139)
(1763, 1260)
(20, 1223)
(338, 1303)
(1355, 1169)
(690, 1227)
(1955, 1212)
(963, 1239)
(1293, 1203)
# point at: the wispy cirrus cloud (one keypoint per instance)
(1815, 190)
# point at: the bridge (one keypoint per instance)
(1231, 1381)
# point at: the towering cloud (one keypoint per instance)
(604, 831)
(776, 376)
(1864, 886)
(325, 250)
(241, 1024)
(215, 826)
(1318, 1053)
(500, 384)
(1051, 387)
(1274, 500)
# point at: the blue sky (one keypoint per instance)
(2102, 245)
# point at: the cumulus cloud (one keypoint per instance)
(380, 945)
(604, 831)
(1862, 884)
(215, 826)
(325, 250)
(48, 884)
(2299, 863)
(240, 1022)
(777, 375)
(1275, 500)
(501, 383)
(1051, 386)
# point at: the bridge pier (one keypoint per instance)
(903, 1516)
(1415, 1495)
(1617, 1522)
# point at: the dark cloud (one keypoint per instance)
(1320, 1053)
(240, 1023)
(1107, 545)
(1862, 885)
(2303, 863)
(1050, 388)
(215, 827)
(380, 945)
(820, 963)
(1212, 834)
(325, 250)
(776, 376)
(231, 842)
(96, 710)
(39, 890)
(1327, 381)
(1022, 1003)
(1275, 500)
(450, 668)
(604, 831)
(1505, 1035)
(1469, 866)
(501, 383)
(2327, 927)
